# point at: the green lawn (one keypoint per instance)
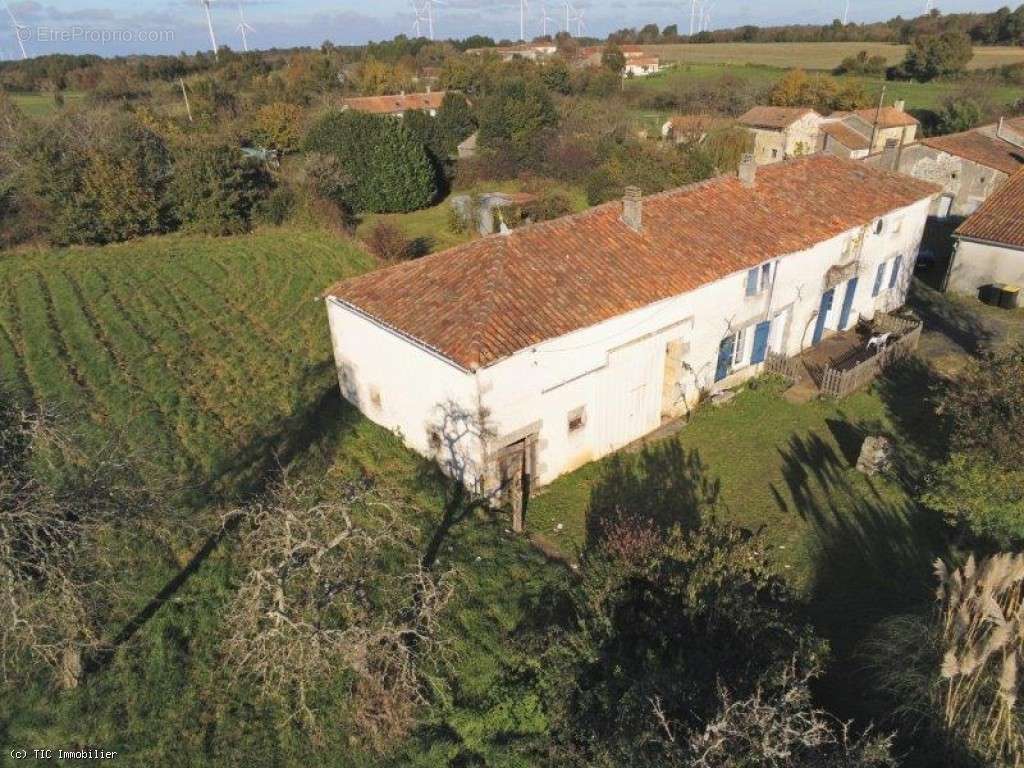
(38, 104)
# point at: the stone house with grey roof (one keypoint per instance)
(517, 357)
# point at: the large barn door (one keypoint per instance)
(631, 394)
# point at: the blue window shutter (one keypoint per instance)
(752, 281)
(895, 272)
(724, 357)
(879, 277)
(760, 342)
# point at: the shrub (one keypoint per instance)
(388, 243)
(279, 125)
(277, 207)
(215, 189)
(389, 170)
(960, 114)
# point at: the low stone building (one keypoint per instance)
(782, 132)
(989, 246)
(970, 166)
(683, 129)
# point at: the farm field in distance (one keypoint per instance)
(929, 95)
(39, 104)
(812, 55)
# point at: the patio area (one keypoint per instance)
(843, 362)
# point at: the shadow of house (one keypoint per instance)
(872, 553)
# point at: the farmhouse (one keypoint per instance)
(869, 131)
(641, 66)
(989, 247)
(782, 132)
(396, 104)
(970, 166)
(515, 358)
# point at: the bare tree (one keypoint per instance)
(334, 588)
(61, 509)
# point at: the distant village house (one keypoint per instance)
(396, 104)
(781, 133)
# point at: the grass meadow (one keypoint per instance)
(39, 104)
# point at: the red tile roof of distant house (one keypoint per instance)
(396, 103)
(1000, 219)
(775, 118)
(643, 61)
(480, 302)
(697, 124)
(981, 147)
(846, 135)
(887, 117)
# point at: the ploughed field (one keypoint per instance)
(194, 349)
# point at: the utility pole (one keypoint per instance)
(184, 94)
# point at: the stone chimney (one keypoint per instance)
(889, 157)
(633, 209)
(748, 170)
(899, 105)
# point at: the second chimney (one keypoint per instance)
(748, 170)
(900, 105)
(633, 209)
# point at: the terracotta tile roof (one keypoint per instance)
(846, 135)
(887, 117)
(482, 301)
(395, 103)
(643, 61)
(982, 148)
(774, 117)
(1000, 219)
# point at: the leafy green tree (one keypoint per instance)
(215, 189)
(960, 114)
(613, 59)
(454, 122)
(514, 119)
(389, 168)
(943, 55)
(279, 125)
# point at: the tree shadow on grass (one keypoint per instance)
(962, 328)
(664, 483)
(872, 551)
(323, 420)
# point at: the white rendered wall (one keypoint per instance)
(407, 389)
(980, 264)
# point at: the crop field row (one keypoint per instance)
(191, 348)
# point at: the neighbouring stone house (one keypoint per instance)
(515, 358)
(969, 166)
(483, 212)
(526, 51)
(989, 247)
(782, 132)
(396, 104)
(868, 131)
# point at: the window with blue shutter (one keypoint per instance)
(879, 277)
(752, 277)
(760, 350)
(895, 271)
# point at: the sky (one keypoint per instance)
(117, 27)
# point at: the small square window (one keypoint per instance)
(577, 419)
(766, 277)
(775, 154)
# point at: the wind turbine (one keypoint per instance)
(568, 7)
(693, 15)
(580, 25)
(17, 29)
(846, 13)
(929, 6)
(209, 26)
(428, 15)
(705, 25)
(243, 27)
(544, 18)
(522, 19)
